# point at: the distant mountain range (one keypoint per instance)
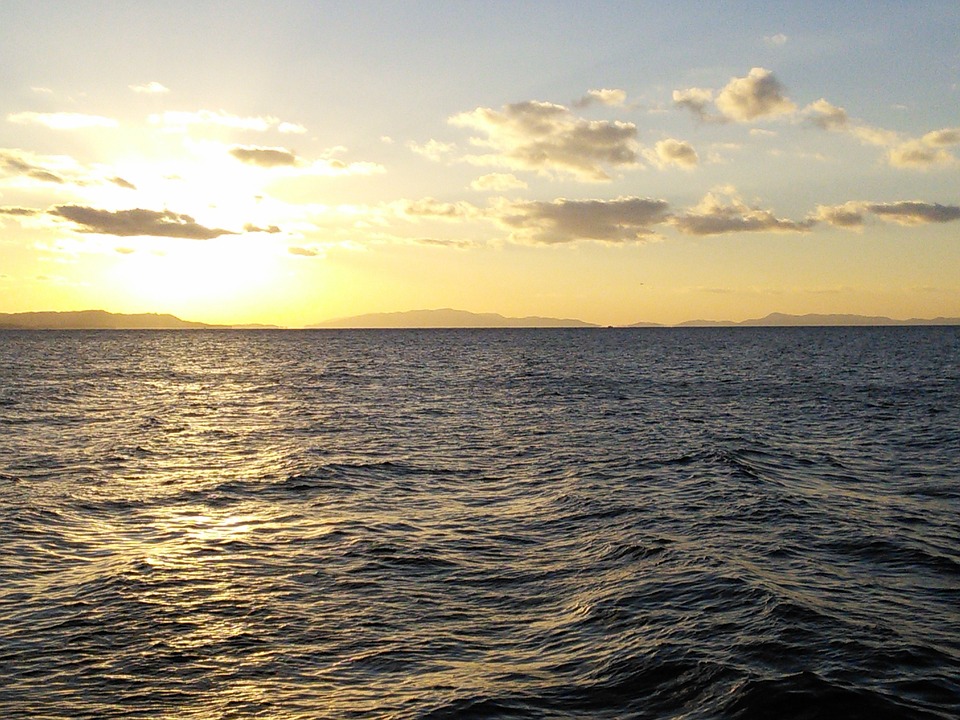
(103, 320)
(445, 318)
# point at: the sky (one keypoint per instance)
(290, 162)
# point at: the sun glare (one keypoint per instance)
(197, 278)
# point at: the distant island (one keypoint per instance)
(426, 319)
(447, 318)
(812, 320)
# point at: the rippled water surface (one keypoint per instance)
(715, 523)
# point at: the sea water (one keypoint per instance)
(649, 523)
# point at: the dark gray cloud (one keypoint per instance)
(135, 222)
(19, 211)
(625, 219)
(914, 212)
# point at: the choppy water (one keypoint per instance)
(719, 523)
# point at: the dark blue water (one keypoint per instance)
(682, 523)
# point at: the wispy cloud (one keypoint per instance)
(150, 88)
(180, 120)
(778, 40)
(62, 120)
(498, 182)
(433, 149)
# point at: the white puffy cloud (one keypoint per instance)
(673, 152)
(150, 88)
(548, 138)
(777, 40)
(498, 182)
(723, 211)
(62, 120)
(849, 215)
(625, 219)
(758, 95)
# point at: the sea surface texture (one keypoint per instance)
(662, 523)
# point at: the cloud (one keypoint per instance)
(264, 156)
(150, 88)
(432, 149)
(289, 128)
(604, 96)
(498, 182)
(432, 209)
(120, 182)
(270, 229)
(917, 154)
(304, 251)
(777, 40)
(673, 152)
(62, 120)
(178, 120)
(826, 115)
(758, 95)
(904, 212)
(926, 151)
(19, 163)
(135, 222)
(915, 212)
(722, 211)
(696, 100)
(41, 90)
(946, 136)
(849, 215)
(549, 139)
(625, 219)
(19, 211)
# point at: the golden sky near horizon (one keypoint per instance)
(615, 163)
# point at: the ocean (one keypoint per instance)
(591, 523)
